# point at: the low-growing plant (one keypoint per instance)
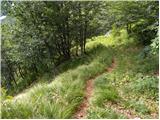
(100, 113)
(61, 97)
(146, 85)
(104, 91)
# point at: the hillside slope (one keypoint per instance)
(130, 90)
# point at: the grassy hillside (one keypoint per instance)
(131, 85)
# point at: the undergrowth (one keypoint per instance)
(60, 98)
(131, 84)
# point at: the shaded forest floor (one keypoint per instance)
(128, 88)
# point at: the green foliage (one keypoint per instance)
(120, 37)
(38, 36)
(145, 67)
(139, 106)
(4, 95)
(37, 39)
(24, 110)
(104, 91)
(145, 85)
(46, 102)
(43, 39)
(60, 98)
(155, 44)
(129, 83)
(139, 18)
(100, 113)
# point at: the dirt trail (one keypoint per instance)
(82, 109)
(112, 66)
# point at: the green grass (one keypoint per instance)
(60, 98)
(130, 84)
(104, 91)
(101, 113)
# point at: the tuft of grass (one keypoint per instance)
(139, 106)
(104, 91)
(145, 85)
(100, 113)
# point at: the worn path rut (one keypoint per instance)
(82, 109)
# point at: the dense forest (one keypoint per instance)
(79, 59)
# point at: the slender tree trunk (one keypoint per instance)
(20, 72)
(85, 36)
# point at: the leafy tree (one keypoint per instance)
(43, 34)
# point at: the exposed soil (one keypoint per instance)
(82, 109)
(112, 66)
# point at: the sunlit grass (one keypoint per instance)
(61, 97)
(101, 113)
(124, 85)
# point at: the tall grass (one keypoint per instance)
(124, 86)
(60, 98)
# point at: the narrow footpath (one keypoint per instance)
(82, 109)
